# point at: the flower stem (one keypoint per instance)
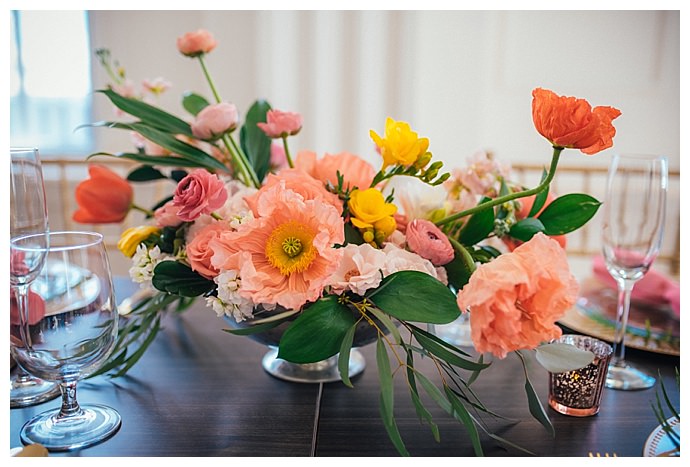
(287, 152)
(509, 197)
(208, 78)
(148, 212)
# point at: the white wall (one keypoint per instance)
(462, 78)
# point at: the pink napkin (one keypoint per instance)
(654, 287)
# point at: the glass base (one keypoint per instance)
(624, 376)
(573, 412)
(96, 423)
(28, 390)
(325, 371)
(456, 333)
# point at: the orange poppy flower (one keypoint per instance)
(103, 198)
(569, 122)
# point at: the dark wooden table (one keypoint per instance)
(199, 391)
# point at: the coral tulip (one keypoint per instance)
(103, 198)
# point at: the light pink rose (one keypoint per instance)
(199, 193)
(166, 215)
(428, 241)
(214, 120)
(279, 124)
(199, 253)
(399, 259)
(359, 269)
(193, 44)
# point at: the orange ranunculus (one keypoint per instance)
(568, 122)
(516, 299)
(103, 198)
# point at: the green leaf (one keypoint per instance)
(149, 114)
(179, 279)
(559, 357)
(568, 213)
(253, 329)
(169, 161)
(478, 227)
(388, 323)
(145, 173)
(526, 228)
(194, 103)
(386, 397)
(422, 412)
(461, 413)
(415, 296)
(352, 235)
(171, 143)
(541, 197)
(458, 270)
(428, 342)
(535, 407)
(254, 142)
(344, 355)
(317, 333)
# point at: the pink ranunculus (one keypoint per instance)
(193, 44)
(279, 124)
(516, 299)
(215, 120)
(356, 171)
(200, 192)
(301, 183)
(359, 269)
(272, 273)
(428, 241)
(166, 215)
(198, 252)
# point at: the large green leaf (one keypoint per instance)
(149, 114)
(145, 173)
(478, 227)
(415, 296)
(568, 213)
(168, 161)
(459, 269)
(317, 333)
(254, 142)
(179, 279)
(526, 228)
(386, 398)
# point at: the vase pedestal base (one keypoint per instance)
(325, 371)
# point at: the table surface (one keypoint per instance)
(199, 391)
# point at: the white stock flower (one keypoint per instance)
(229, 302)
(143, 263)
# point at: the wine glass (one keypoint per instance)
(28, 215)
(69, 334)
(633, 227)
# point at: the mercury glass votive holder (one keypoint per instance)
(578, 392)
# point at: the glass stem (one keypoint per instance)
(70, 407)
(21, 294)
(623, 309)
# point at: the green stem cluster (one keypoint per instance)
(509, 197)
(239, 158)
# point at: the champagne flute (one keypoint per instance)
(68, 336)
(633, 227)
(28, 215)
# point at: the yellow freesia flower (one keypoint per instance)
(400, 145)
(132, 237)
(368, 207)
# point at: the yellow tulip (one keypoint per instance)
(132, 237)
(400, 145)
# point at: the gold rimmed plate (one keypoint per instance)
(651, 327)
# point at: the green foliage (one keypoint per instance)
(478, 226)
(568, 213)
(179, 279)
(254, 142)
(194, 103)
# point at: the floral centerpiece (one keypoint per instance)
(325, 246)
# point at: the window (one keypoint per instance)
(50, 81)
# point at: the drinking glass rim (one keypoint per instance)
(97, 239)
(23, 149)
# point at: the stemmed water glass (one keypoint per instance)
(69, 334)
(633, 228)
(28, 215)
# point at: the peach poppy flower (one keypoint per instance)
(289, 245)
(103, 198)
(569, 122)
(193, 44)
(515, 300)
(298, 181)
(356, 171)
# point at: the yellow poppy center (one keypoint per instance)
(289, 248)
